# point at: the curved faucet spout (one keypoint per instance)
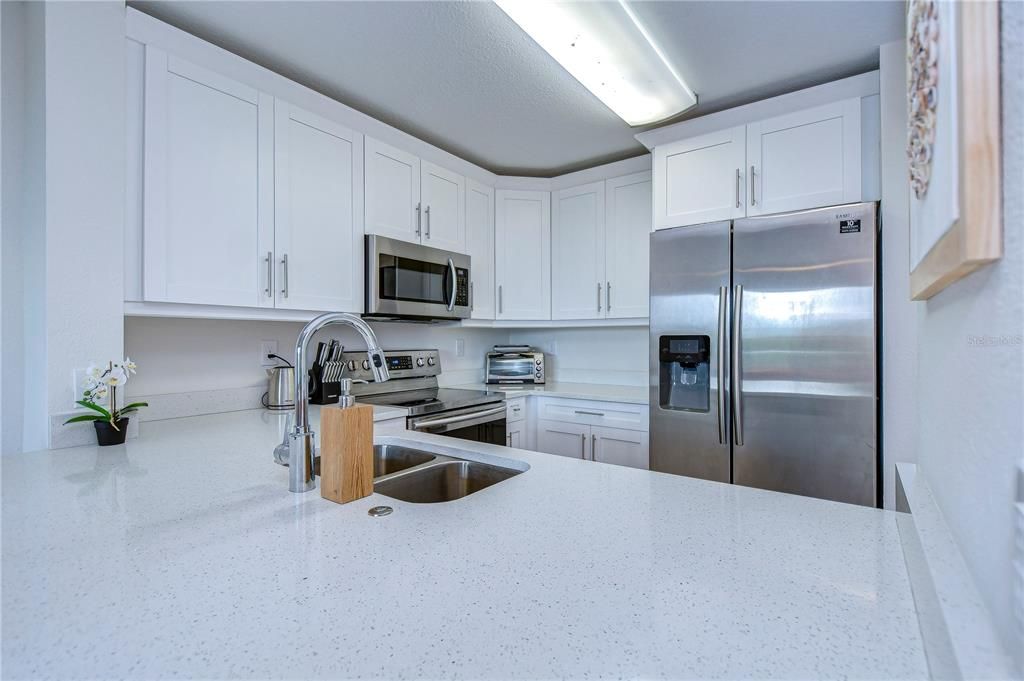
(302, 446)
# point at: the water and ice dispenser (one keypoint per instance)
(685, 376)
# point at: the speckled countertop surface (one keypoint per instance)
(182, 554)
(580, 391)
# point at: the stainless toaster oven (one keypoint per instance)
(515, 367)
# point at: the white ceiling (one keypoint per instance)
(462, 76)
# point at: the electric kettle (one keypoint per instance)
(280, 394)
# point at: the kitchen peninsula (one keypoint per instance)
(183, 554)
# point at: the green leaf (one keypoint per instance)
(84, 417)
(134, 405)
(95, 407)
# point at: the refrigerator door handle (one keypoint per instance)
(737, 370)
(723, 294)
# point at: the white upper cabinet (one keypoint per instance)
(522, 250)
(600, 235)
(443, 199)
(578, 252)
(700, 179)
(208, 142)
(392, 192)
(806, 159)
(317, 235)
(480, 247)
(627, 246)
(414, 200)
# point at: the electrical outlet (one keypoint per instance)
(460, 347)
(268, 347)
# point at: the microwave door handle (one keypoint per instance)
(454, 283)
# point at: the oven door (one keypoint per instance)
(480, 424)
(410, 280)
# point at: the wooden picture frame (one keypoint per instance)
(973, 229)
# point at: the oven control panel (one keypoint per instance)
(400, 363)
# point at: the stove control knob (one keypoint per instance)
(351, 365)
(430, 361)
(366, 364)
(419, 361)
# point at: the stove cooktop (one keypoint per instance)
(432, 400)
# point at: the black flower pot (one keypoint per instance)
(106, 434)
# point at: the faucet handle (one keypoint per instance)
(345, 399)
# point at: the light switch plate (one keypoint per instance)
(268, 347)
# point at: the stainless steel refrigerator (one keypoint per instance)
(763, 362)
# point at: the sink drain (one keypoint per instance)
(378, 511)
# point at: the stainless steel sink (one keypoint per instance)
(388, 459)
(445, 480)
(422, 477)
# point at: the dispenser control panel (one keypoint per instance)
(685, 374)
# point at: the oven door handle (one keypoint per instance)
(454, 282)
(416, 425)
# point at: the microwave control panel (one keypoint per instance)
(461, 287)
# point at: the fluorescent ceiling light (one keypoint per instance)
(606, 48)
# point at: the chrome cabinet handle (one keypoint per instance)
(593, 448)
(509, 438)
(472, 299)
(608, 296)
(737, 371)
(723, 293)
(501, 307)
(753, 199)
(588, 413)
(419, 219)
(427, 213)
(598, 296)
(284, 284)
(738, 182)
(270, 274)
(583, 446)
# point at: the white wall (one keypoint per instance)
(85, 190)
(617, 356)
(969, 396)
(899, 312)
(186, 355)
(23, 234)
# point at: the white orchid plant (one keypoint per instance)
(101, 384)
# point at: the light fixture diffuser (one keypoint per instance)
(603, 45)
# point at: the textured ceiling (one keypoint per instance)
(462, 76)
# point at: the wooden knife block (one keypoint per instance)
(346, 453)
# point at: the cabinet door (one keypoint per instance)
(318, 169)
(443, 199)
(807, 159)
(480, 246)
(208, 143)
(515, 437)
(627, 246)
(392, 192)
(522, 254)
(563, 439)
(621, 447)
(577, 252)
(700, 179)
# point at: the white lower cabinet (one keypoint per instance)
(620, 446)
(516, 436)
(564, 439)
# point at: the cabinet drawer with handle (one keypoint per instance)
(595, 413)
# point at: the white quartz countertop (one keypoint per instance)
(182, 554)
(581, 391)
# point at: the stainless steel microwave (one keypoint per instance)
(410, 281)
(515, 367)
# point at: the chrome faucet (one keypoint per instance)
(302, 440)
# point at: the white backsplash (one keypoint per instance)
(615, 356)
